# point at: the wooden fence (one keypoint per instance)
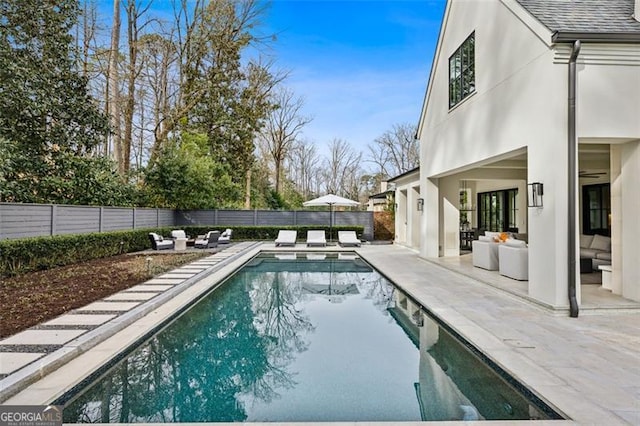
(34, 220)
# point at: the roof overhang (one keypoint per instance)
(571, 36)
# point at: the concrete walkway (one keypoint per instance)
(588, 368)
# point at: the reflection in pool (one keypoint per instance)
(300, 337)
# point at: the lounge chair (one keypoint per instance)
(210, 240)
(159, 243)
(286, 238)
(316, 238)
(225, 237)
(348, 238)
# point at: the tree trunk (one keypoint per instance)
(112, 82)
(247, 194)
(132, 35)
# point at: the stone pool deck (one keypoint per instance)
(588, 368)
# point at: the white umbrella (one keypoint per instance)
(330, 200)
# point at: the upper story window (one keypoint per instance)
(462, 72)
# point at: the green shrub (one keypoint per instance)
(31, 254)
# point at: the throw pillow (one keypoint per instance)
(585, 240)
(600, 242)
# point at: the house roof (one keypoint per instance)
(407, 173)
(588, 20)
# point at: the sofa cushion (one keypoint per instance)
(589, 253)
(485, 238)
(601, 242)
(585, 240)
(515, 243)
(603, 255)
(492, 234)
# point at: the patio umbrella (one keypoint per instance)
(331, 200)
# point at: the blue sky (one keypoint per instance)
(361, 66)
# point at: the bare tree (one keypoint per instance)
(396, 151)
(303, 168)
(281, 129)
(342, 169)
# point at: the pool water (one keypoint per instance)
(301, 337)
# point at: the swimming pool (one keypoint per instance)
(302, 337)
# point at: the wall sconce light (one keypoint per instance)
(418, 318)
(535, 191)
(420, 204)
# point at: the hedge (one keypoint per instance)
(32, 254)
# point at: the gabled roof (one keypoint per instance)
(588, 20)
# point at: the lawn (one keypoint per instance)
(35, 297)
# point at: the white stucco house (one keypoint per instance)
(544, 92)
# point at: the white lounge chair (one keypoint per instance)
(348, 238)
(316, 238)
(286, 238)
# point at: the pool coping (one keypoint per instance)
(24, 377)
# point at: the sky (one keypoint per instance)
(360, 66)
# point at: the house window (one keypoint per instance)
(462, 72)
(497, 210)
(596, 208)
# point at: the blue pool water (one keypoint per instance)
(301, 337)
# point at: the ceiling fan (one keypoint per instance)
(590, 175)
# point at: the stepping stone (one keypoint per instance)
(164, 281)
(130, 296)
(80, 319)
(42, 337)
(109, 306)
(149, 288)
(12, 361)
(177, 275)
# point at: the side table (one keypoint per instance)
(180, 244)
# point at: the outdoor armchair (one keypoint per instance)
(159, 243)
(210, 240)
(225, 237)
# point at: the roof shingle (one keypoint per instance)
(585, 16)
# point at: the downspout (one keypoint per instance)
(571, 130)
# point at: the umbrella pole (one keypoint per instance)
(330, 221)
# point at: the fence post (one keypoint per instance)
(133, 211)
(54, 211)
(255, 217)
(157, 217)
(100, 219)
(295, 218)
